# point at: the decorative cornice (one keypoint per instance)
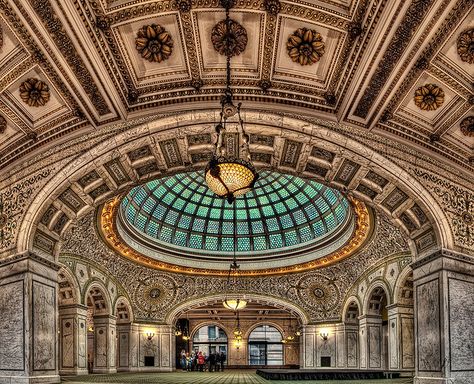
(108, 230)
(443, 253)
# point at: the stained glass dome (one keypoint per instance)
(284, 214)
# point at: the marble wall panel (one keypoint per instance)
(393, 343)
(134, 349)
(165, 350)
(340, 348)
(124, 345)
(81, 344)
(461, 328)
(44, 326)
(428, 326)
(352, 341)
(67, 343)
(112, 350)
(375, 340)
(12, 338)
(363, 346)
(408, 343)
(309, 349)
(100, 346)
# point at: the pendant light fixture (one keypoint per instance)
(230, 173)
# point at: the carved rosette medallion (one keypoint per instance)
(320, 292)
(305, 46)
(34, 92)
(3, 124)
(467, 126)
(273, 7)
(229, 40)
(155, 293)
(154, 43)
(429, 97)
(465, 46)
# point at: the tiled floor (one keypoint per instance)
(229, 377)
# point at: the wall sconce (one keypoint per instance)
(149, 334)
(324, 334)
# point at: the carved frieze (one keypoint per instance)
(15, 200)
(319, 293)
(3, 124)
(457, 202)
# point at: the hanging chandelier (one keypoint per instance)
(230, 173)
(232, 300)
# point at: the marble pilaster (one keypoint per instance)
(371, 343)
(401, 352)
(444, 330)
(72, 340)
(29, 320)
(105, 344)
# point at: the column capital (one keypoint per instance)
(445, 259)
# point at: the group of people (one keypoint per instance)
(199, 361)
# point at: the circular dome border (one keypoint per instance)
(106, 221)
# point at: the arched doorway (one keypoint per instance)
(265, 346)
(101, 331)
(374, 330)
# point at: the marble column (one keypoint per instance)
(28, 320)
(127, 347)
(105, 344)
(371, 343)
(444, 326)
(401, 352)
(73, 339)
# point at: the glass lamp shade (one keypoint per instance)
(234, 304)
(230, 177)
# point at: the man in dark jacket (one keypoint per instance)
(218, 361)
(212, 362)
(222, 358)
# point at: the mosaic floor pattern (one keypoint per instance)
(230, 377)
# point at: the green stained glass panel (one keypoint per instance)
(282, 210)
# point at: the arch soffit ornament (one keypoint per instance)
(289, 129)
(72, 280)
(177, 311)
(378, 283)
(400, 282)
(96, 283)
(347, 302)
(124, 300)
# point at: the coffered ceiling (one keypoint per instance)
(398, 68)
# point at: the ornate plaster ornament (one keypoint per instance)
(3, 124)
(229, 40)
(429, 97)
(34, 92)
(465, 46)
(154, 43)
(184, 5)
(1, 36)
(467, 126)
(273, 7)
(305, 46)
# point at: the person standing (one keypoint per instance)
(222, 359)
(212, 362)
(200, 361)
(218, 361)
